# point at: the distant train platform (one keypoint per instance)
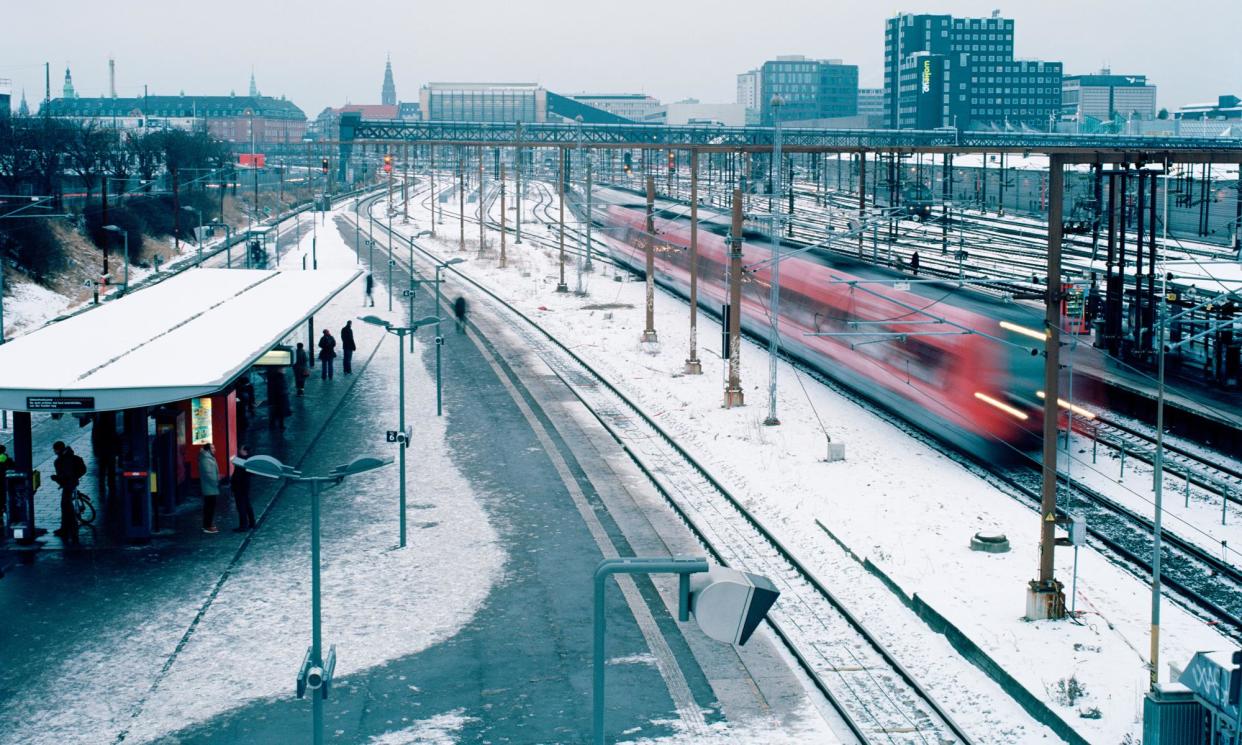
(1214, 412)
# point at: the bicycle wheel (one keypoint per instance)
(84, 508)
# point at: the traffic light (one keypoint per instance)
(672, 161)
(324, 165)
(628, 163)
(387, 164)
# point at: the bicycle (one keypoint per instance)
(83, 508)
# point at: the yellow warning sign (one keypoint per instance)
(1049, 518)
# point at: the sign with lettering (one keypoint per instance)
(200, 421)
(60, 403)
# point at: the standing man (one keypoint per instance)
(348, 347)
(278, 397)
(301, 368)
(209, 484)
(69, 469)
(6, 465)
(327, 353)
(239, 482)
(914, 263)
(370, 290)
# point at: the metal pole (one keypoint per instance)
(405, 184)
(774, 271)
(733, 391)
(560, 191)
(439, 340)
(316, 622)
(693, 366)
(410, 290)
(461, 201)
(401, 426)
(391, 261)
(590, 212)
(862, 199)
(502, 218)
(517, 176)
(649, 332)
(1158, 459)
(1048, 595)
(435, 200)
(126, 236)
(482, 214)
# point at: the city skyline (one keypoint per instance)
(675, 58)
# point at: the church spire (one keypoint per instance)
(22, 108)
(254, 89)
(388, 96)
(67, 91)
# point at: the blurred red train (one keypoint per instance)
(953, 362)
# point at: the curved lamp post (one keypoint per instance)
(402, 436)
(315, 672)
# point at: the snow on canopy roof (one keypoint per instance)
(187, 336)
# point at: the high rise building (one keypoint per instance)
(748, 89)
(1105, 97)
(388, 95)
(808, 89)
(945, 71)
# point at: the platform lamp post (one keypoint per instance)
(409, 292)
(124, 235)
(402, 436)
(316, 670)
(228, 241)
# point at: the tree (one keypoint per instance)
(86, 149)
(146, 155)
(1164, 114)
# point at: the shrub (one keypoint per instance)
(33, 246)
(123, 218)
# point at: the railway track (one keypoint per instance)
(877, 697)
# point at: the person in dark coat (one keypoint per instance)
(69, 470)
(327, 353)
(301, 368)
(370, 290)
(6, 465)
(209, 484)
(914, 263)
(348, 347)
(277, 397)
(239, 483)
(459, 310)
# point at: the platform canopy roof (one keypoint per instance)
(190, 335)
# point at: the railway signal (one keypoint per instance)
(628, 163)
(324, 165)
(387, 163)
(672, 161)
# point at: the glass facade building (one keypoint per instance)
(809, 89)
(483, 102)
(946, 71)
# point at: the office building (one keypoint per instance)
(483, 102)
(808, 89)
(229, 118)
(636, 107)
(1225, 108)
(6, 97)
(1104, 96)
(691, 111)
(749, 89)
(945, 71)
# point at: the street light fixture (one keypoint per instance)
(727, 604)
(402, 435)
(315, 672)
(124, 234)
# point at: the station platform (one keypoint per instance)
(1201, 412)
(478, 631)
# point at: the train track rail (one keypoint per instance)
(879, 699)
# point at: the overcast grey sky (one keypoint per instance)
(321, 52)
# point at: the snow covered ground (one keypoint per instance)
(899, 503)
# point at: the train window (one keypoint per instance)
(925, 362)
